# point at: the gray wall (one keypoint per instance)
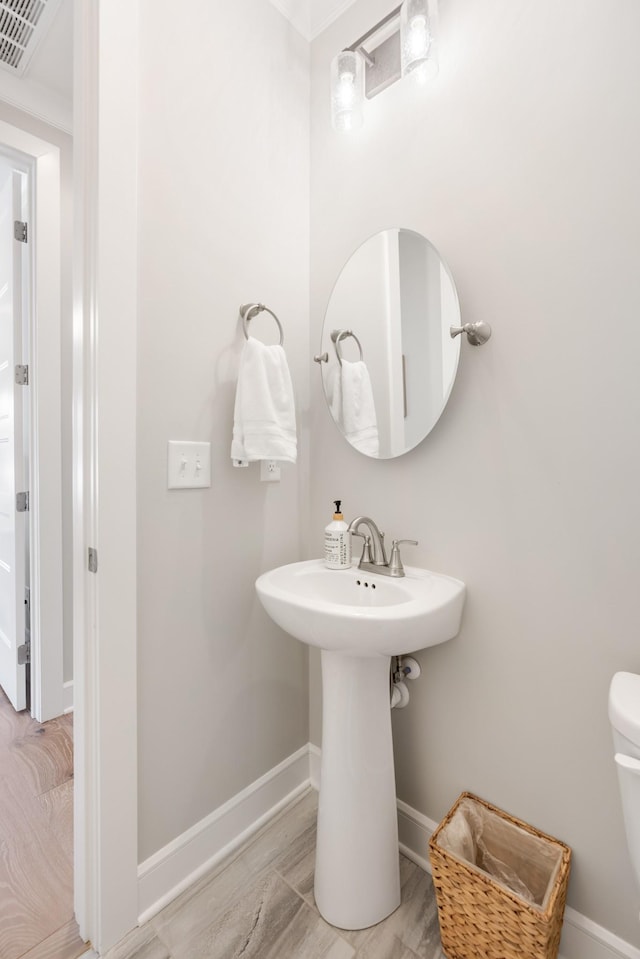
(224, 220)
(520, 164)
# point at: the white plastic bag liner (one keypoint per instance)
(525, 864)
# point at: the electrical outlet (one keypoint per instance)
(269, 471)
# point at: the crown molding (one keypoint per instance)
(324, 12)
(38, 100)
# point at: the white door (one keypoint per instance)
(13, 265)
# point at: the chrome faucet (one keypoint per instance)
(378, 563)
(376, 537)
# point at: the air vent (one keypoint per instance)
(22, 25)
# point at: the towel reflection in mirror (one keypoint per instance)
(350, 398)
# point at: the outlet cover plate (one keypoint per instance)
(269, 471)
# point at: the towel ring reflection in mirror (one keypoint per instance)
(338, 335)
(250, 310)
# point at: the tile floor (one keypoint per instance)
(260, 905)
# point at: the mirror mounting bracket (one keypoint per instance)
(477, 333)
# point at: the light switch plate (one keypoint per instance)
(188, 464)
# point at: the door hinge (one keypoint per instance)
(22, 375)
(93, 560)
(22, 502)
(20, 231)
(24, 655)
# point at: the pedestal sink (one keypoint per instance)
(359, 620)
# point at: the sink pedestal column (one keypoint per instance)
(357, 880)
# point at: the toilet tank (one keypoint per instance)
(624, 715)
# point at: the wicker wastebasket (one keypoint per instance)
(480, 916)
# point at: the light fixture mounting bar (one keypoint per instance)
(383, 65)
(365, 56)
(394, 15)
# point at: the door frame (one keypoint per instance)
(45, 429)
(104, 467)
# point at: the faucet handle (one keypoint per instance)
(366, 549)
(395, 563)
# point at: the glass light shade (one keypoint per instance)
(347, 90)
(416, 40)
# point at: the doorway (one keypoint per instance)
(36, 732)
(30, 426)
(103, 246)
(15, 285)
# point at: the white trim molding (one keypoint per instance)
(324, 12)
(37, 100)
(181, 862)
(104, 468)
(67, 691)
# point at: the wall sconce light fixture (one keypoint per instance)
(347, 90)
(404, 44)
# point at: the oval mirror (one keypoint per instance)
(391, 361)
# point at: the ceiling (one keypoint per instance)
(52, 61)
(311, 17)
(46, 88)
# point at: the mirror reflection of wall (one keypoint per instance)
(398, 297)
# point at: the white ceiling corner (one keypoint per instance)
(297, 12)
(311, 17)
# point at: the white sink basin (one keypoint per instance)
(362, 613)
(359, 620)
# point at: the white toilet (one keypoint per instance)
(624, 716)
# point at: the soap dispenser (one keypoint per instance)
(337, 542)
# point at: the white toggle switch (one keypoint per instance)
(188, 464)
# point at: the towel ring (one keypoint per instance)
(337, 335)
(251, 310)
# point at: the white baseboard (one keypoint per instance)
(172, 869)
(581, 938)
(67, 697)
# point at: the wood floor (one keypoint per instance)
(260, 905)
(36, 838)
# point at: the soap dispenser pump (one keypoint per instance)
(337, 541)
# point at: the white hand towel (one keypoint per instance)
(264, 425)
(351, 403)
